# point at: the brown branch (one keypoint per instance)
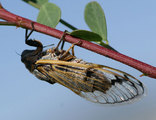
(26, 23)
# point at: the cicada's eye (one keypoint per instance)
(29, 58)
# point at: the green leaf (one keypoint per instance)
(86, 35)
(49, 15)
(90, 36)
(95, 19)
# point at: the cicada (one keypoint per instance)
(96, 83)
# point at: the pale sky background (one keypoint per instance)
(131, 30)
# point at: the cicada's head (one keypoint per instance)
(29, 57)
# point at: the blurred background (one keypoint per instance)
(131, 30)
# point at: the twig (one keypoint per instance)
(7, 23)
(26, 23)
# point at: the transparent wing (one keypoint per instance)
(96, 83)
(127, 90)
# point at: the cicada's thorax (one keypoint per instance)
(53, 54)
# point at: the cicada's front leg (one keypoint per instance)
(32, 42)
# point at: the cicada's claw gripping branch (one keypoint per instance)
(19, 21)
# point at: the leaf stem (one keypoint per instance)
(32, 4)
(67, 24)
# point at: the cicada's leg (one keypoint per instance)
(67, 51)
(34, 43)
(28, 35)
(72, 47)
(62, 45)
(61, 40)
